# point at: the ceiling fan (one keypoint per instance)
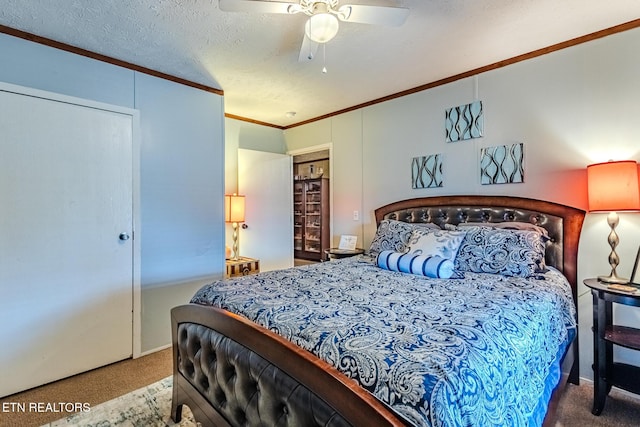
(324, 15)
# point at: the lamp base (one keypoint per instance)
(613, 278)
(614, 260)
(236, 253)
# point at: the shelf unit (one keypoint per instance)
(310, 218)
(606, 334)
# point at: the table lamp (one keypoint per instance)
(613, 187)
(234, 213)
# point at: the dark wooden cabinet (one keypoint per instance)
(310, 218)
(607, 372)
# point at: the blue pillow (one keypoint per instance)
(430, 266)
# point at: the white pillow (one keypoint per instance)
(393, 235)
(431, 242)
(429, 266)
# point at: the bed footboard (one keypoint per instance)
(231, 372)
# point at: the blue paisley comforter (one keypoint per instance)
(478, 351)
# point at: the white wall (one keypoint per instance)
(181, 168)
(570, 108)
(181, 187)
(348, 180)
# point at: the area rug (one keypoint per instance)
(147, 406)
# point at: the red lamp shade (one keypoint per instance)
(233, 208)
(613, 186)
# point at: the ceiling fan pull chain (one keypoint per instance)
(324, 58)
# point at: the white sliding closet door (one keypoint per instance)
(66, 273)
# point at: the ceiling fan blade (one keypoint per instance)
(379, 15)
(307, 50)
(259, 6)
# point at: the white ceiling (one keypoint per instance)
(254, 57)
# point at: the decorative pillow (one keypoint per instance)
(501, 251)
(419, 225)
(430, 266)
(430, 242)
(394, 235)
(512, 225)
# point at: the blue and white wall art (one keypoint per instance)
(503, 164)
(426, 171)
(464, 122)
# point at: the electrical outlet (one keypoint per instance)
(356, 215)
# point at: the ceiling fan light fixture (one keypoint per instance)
(294, 8)
(345, 12)
(321, 27)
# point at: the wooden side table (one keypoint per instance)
(242, 266)
(335, 253)
(606, 372)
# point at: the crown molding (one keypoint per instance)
(500, 64)
(93, 55)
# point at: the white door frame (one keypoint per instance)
(314, 149)
(136, 135)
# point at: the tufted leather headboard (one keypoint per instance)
(455, 215)
(563, 223)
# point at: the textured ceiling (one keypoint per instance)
(254, 57)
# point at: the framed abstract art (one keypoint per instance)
(426, 171)
(464, 122)
(503, 164)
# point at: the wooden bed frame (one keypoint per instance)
(230, 371)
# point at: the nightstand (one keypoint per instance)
(335, 253)
(607, 373)
(243, 266)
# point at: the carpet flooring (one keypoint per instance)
(151, 406)
(621, 409)
(119, 395)
(90, 388)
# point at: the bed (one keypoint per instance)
(356, 342)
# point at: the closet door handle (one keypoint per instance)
(124, 236)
